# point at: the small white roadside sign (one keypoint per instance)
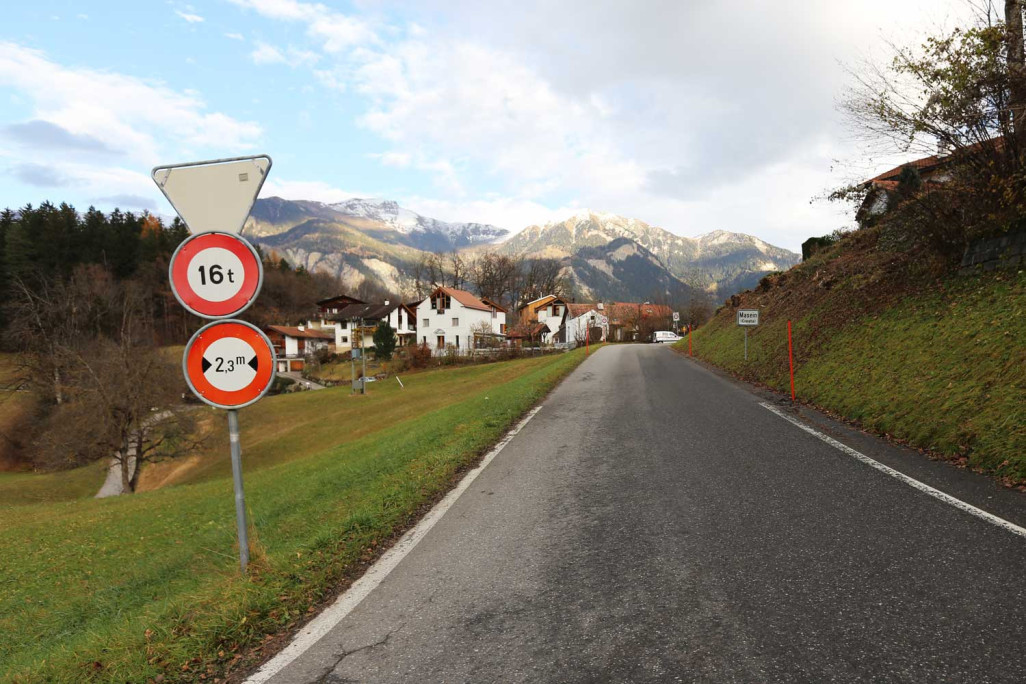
(214, 195)
(676, 316)
(748, 317)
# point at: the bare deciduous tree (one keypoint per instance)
(494, 276)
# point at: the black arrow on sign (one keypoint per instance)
(204, 365)
(253, 363)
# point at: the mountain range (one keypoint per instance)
(607, 256)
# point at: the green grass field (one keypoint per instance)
(129, 588)
(944, 370)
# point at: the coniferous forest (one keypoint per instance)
(86, 318)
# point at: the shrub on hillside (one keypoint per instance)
(419, 355)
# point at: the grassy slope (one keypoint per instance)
(939, 363)
(22, 489)
(127, 588)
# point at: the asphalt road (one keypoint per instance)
(653, 522)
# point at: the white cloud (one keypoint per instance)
(333, 30)
(265, 53)
(190, 17)
(234, 36)
(693, 116)
(317, 191)
(146, 122)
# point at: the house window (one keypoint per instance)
(457, 341)
(441, 303)
(343, 324)
(441, 341)
(345, 340)
(502, 328)
(455, 322)
(494, 313)
(427, 323)
(425, 339)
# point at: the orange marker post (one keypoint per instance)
(790, 356)
(690, 353)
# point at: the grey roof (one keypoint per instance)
(368, 312)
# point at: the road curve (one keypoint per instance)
(653, 522)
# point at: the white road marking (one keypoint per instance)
(911, 482)
(361, 588)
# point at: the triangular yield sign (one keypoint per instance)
(213, 195)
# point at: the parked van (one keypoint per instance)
(665, 337)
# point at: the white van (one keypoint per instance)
(665, 337)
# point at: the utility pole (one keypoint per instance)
(363, 359)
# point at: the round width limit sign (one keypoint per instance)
(229, 364)
(216, 275)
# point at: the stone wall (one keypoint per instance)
(1003, 252)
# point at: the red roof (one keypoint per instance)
(530, 331)
(465, 298)
(625, 311)
(922, 164)
(309, 333)
(578, 310)
(489, 302)
(933, 161)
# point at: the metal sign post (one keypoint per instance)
(217, 274)
(240, 495)
(747, 318)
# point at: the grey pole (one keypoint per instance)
(746, 344)
(352, 365)
(240, 497)
(363, 358)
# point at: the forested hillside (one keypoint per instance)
(87, 309)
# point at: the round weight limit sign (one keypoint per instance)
(229, 364)
(216, 275)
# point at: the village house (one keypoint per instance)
(352, 322)
(293, 344)
(584, 322)
(548, 311)
(883, 191)
(456, 319)
(633, 321)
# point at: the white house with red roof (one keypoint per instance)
(582, 318)
(292, 344)
(451, 318)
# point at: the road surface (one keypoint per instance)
(655, 522)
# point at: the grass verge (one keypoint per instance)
(130, 588)
(942, 368)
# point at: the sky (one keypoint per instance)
(691, 115)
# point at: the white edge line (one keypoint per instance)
(312, 632)
(911, 482)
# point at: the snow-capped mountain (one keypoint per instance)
(721, 262)
(420, 232)
(608, 256)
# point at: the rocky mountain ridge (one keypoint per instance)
(605, 255)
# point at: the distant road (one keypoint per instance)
(654, 522)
